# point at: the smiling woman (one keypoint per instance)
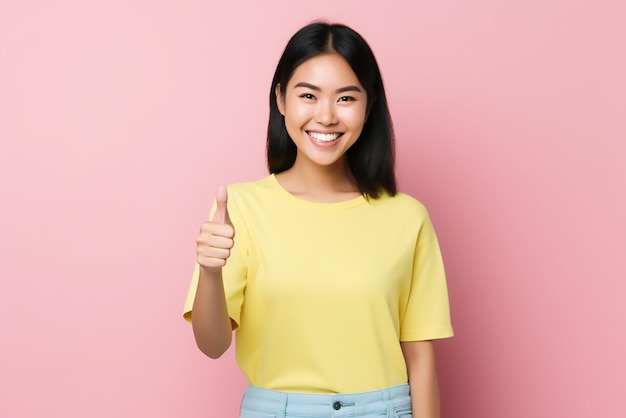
(332, 268)
(344, 59)
(321, 119)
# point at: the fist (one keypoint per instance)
(216, 236)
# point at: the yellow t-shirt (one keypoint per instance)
(323, 293)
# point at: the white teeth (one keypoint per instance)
(324, 137)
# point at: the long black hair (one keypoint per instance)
(371, 158)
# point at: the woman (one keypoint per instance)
(334, 281)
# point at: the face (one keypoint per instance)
(324, 108)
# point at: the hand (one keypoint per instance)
(216, 236)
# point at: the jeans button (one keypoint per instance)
(337, 406)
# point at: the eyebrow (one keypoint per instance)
(340, 90)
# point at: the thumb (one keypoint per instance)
(221, 211)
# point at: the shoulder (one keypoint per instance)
(400, 202)
(405, 212)
(249, 197)
(250, 189)
(250, 186)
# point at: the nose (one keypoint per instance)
(325, 114)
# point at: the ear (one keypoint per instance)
(280, 100)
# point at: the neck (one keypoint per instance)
(320, 183)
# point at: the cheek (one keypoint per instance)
(295, 120)
(296, 113)
(354, 117)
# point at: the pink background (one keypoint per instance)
(119, 119)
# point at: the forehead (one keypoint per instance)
(326, 70)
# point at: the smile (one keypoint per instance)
(321, 137)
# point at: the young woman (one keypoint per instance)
(332, 279)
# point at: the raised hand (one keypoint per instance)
(216, 236)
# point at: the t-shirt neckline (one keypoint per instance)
(356, 201)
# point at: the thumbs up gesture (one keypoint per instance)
(216, 236)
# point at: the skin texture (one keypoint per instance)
(211, 324)
(420, 362)
(323, 97)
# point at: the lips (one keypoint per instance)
(322, 138)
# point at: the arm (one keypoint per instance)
(210, 321)
(420, 362)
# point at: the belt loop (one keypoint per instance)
(283, 411)
(385, 394)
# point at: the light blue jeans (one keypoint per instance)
(393, 402)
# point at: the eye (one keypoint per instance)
(346, 99)
(307, 96)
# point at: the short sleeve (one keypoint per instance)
(234, 273)
(427, 314)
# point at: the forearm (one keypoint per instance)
(210, 321)
(420, 359)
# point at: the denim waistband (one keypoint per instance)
(284, 404)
